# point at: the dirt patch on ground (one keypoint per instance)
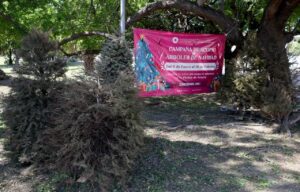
(190, 146)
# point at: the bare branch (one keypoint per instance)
(290, 35)
(286, 11)
(64, 52)
(295, 120)
(279, 11)
(83, 52)
(84, 34)
(295, 30)
(227, 24)
(272, 8)
(222, 5)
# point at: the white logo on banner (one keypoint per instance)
(175, 40)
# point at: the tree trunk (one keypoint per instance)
(272, 41)
(17, 62)
(285, 125)
(10, 59)
(89, 63)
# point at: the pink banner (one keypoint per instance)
(177, 63)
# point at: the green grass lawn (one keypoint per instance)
(6, 68)
(216, 154)
(191, 146)
(2, 131)
(73, 69)
(2, 59)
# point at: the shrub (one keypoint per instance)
(3, 76)
(273, 95)
(245, 78)
(115, 57)
(90, 127)
(99, 132)
(27, 109)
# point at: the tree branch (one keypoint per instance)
(295, 120)
(279, 11)
(285, 11)
(290, 35)
(226, 23)
(84, 52)
(92, 7)
(222, 5)
(14, 23)
(84, 34)
(272, 9)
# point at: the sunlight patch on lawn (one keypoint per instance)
(73, 69)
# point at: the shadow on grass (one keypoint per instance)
(195, 167)
(2, 129)
(167, 165)
(5, 66)
(2, 133)
(182, 166)
(240, 153)
(296, 130)
(184, 110)
(286, 188)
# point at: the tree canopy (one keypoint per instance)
(89, 17)
(61, 18)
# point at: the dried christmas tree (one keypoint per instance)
(115, 57)
(3, 76)
(27, 110)
(100, 133)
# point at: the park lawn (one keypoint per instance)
(6, 68)
(2, 132)
(191, 146)
(2, 59)
(73, 68)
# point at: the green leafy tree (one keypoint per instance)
(62, 18)
(275, 24)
